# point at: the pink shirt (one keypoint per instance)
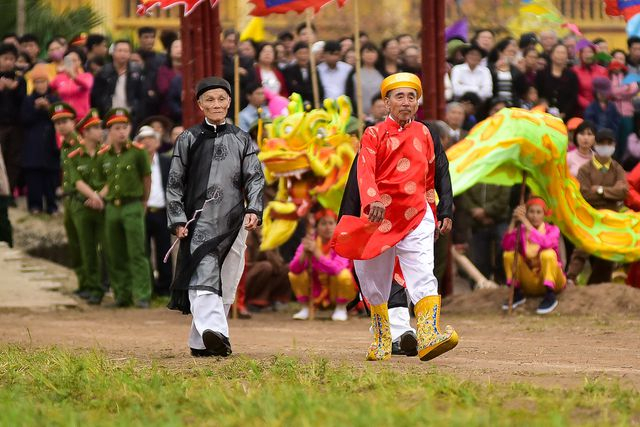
(75, 92)
(575, 160)
(549, 240)
(623, 95)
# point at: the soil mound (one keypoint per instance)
(608, 299)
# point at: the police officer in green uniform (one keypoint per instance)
(89, 218)
(125, 168)
(63, 117)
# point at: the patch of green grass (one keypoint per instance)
(58, 387)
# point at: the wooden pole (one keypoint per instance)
(20, 17)
(514, 269)
(236, 72)
(356, 41)
(312, 58)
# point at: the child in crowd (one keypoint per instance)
(604, 186)
(584, 138)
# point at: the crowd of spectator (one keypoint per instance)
(580, 81)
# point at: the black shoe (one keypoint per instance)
(409, 344)
(395, 349)
(548, 304)
(195, 352)
(118, 304)
(94, 300)
(82, 294)
(143, 304)
(216, 343)
(518, 299)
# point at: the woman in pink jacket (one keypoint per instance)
(539, 271)
(318, 272)
(622, 96)
(72, 84)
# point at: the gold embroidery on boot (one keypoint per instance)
(380, 348)
(431, 341)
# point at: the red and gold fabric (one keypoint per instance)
(395, 167)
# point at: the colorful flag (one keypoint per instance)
(189, 5)
(267, 7)
(534, 15)
(626, 8)
(254, 30)
(458, 29)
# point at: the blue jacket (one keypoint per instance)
(608, 118)
(39, 148)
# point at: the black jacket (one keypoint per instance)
(104, 86)
(165, 165)
(39, 147)
(11, 100)
(351, 200)
(293, 76)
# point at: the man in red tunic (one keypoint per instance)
(398, 219)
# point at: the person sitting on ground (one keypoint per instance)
(330, 274)
(604, 186)
(539, 271)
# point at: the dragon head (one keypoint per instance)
(309, 153)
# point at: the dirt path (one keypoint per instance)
(555, 351)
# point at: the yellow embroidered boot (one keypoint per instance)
(380, 348)
(432, 342)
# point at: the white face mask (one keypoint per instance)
(604, 150)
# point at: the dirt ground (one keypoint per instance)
(594, 333)
(553, 351)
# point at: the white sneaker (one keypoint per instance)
(340, 313)
(303, 314)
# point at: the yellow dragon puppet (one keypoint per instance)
(309, 155)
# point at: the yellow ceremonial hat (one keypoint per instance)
(394, 81)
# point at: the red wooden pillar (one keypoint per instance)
(201, 56)
(433, 58)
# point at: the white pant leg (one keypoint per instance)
(233, 267)
(375, 276)
(400, 322)
(208, 313)
(415, 254)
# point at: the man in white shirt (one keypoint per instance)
(156, 215)
(333, 72)
(471, 76)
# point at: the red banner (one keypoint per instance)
(267, 7)
(189, 5)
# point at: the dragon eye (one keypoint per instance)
(321, 133)
(288, 129)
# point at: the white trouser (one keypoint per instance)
(415, 254)
(209, 310)
(400, 322)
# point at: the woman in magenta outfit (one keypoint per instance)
(329, 280)
(539, 271)
(73, 85)
(166, 73)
